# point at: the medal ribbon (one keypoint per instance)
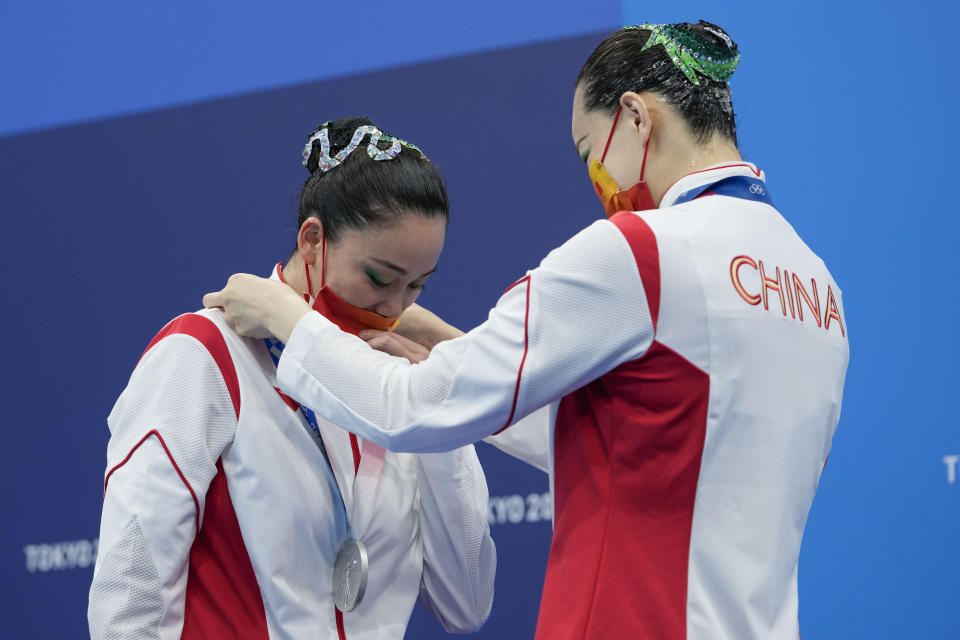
(742, 187)
(368, 471)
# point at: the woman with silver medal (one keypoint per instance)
(233, 511)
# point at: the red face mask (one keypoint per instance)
(348, 317)
(636, 198)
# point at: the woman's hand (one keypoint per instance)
(257, 307)
(395, 345)
(418, 332)
(425, 328)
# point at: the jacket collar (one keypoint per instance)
(709, 176)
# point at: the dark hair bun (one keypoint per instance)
(339, 132)
(362, 192)
(714, 35)
(696, 87)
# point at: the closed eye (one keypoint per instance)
(375, 280)
(377, 283)
(584, 154)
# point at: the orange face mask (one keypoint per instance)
(348, 317)
(636, 198)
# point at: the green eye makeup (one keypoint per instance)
(376, 278)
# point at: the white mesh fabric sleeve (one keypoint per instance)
(174, 417)
(129, 607)
(459, 557)
(579, 314)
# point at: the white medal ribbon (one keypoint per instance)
(361, 493)
(365, 486)
(351, 568)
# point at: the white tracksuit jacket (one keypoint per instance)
(690, 363)
(202, 441)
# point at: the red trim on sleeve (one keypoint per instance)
(206, 333)
(523, 279)
(154, 432)
(526, 346)
(643, 243)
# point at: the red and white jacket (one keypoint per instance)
(691, 363)
(221, 517)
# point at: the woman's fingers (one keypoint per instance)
(243, 305)
(381, 341)
(395, 345)
(213, 300)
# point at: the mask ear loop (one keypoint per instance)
(646, 146)
(610, 137)
(323, 260)
(643, 166)
(323, 265)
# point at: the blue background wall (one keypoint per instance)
(149, 152)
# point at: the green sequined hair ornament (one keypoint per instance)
(691, 54)
(327, 162)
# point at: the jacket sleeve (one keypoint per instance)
(167, 431)
(528, 439)
(459, 556)
(578, 315)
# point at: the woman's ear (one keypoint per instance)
(310, 239)
(637, 114)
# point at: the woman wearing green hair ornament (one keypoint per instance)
(677, 367)
(231, 510)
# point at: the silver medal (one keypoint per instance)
(350, 575)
